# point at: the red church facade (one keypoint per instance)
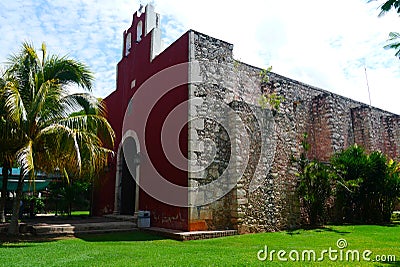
(119, 193)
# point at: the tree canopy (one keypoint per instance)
(44, 126)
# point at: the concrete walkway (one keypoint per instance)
(44, 226)
(82, 228)
(185, 236)
(59, 226)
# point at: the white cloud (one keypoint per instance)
(323, 43)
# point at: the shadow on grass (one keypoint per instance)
(390, 224)
(121, 236)
(29, 241)
(317, 229)
(330, 229)
(393, 263)
(10, 245)
(23, 241)
(393, 224)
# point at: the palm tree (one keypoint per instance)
(55, 130)
(394, 39)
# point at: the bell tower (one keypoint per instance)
(143, 24)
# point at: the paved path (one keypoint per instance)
(61, 226)
(52, 225)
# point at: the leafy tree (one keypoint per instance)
(351, 164)
(315, 188)
(374, 183)
(315, 185)
(71, 195)
(391, 190)
(51, 132)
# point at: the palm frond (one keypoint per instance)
(23, 67)
(2, 84)
(66, 176)
(394, 39)
(14, 103)
(10, 136)
(68, 71)
(95, 157)
(86, 103)
(78, 152)
(25, 158)
(46, 103)
(95, 124)
(63, 148)
(388, 5)
(67, 147)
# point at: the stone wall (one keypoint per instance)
(229, 134)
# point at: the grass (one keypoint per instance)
(76, 213)
(80, 213)
(142, 249)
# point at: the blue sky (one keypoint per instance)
(323, 43)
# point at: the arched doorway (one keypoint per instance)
(127, 190)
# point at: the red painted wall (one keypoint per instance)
(137, 66)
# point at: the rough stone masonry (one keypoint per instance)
(255, 146)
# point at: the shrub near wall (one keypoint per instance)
(314, 186)
(371, 186)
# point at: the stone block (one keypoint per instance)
(242, 201)
(197, 175)
(206, 214)
(193, 135)
(193, 183)
(197, 124)
(241, 193)
(196, 197)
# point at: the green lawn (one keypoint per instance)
(141, 249)
(78, 213)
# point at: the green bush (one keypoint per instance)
(371, 186)
(395, 217)
(70, 196)
(314, 186)
(33, 204)
(315, 189)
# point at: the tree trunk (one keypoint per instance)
(3, 199)
(13, 228)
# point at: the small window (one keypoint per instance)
(128, 44)
(139, 31)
